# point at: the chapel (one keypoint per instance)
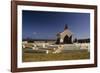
(64, 37)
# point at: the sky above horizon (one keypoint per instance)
(45, 25)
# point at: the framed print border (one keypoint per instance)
(14, 34)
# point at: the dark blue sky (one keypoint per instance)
(45, 25)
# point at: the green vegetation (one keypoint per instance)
(71, 55)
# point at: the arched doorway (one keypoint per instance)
(67, 40)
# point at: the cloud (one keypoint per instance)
(34, 33)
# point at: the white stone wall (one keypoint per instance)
(66, 32)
